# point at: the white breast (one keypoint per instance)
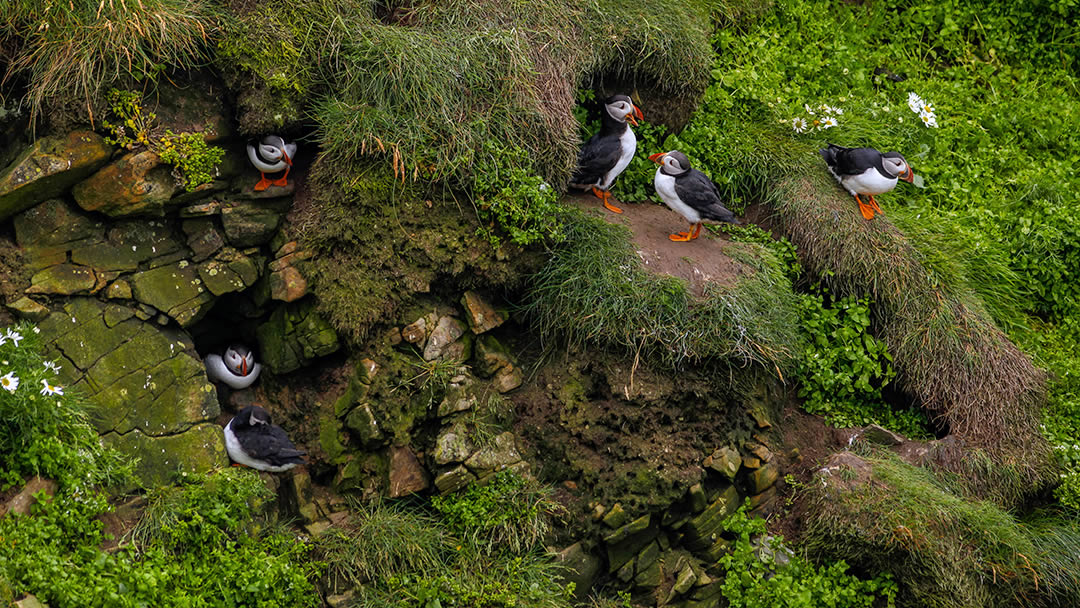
(627, 147)
(870, 181)
(665, 187)
(239, 456)
(217, 371)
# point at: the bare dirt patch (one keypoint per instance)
(698, 262)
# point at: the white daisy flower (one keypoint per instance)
(914, 101)
(53, 367)
(37, 331)
(845, 70)
(926, 108)
(9, 382)
(929, 120)
(828, 122)
(799, 124)
(806, 106)
(50, 389)
(3, 340)
(14, 336)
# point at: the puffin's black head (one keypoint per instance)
(251, 416)
(672, 163)
(622, 108)
(896, 165)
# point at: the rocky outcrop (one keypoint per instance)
(49, 167)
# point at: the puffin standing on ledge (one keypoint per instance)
(866, 171)
(273, 154)
(608, 153)
(237, 368)
(252, 440)
(689, 192)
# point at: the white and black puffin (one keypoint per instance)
(237, 368)
(252, 440)
(866, 171)
(689, 192)
(271, 155)
(608, 153)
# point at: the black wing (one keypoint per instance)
(851, 161)
(698, 191)
(272, 445)
(597, 157)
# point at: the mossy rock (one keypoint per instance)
(294, 335)
(175, 289)
(135, 184)
(161, 459)
(48, 168)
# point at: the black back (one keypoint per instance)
(698, 191)
(852, 161)
(601, 151)
(266, 442)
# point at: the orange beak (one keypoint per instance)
(658, 157)
(909, 176)
(634, 116)
(243, 367)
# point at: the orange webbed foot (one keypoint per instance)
(866, 210)
(263, 183)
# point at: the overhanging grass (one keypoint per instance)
(423, 86)
(593, 289)
(71, 51)
(945, 547)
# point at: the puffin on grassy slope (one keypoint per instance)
(271, 155)
(252, 440)
(689, 192)
(237, 368)
(608, 153)
(866, 171)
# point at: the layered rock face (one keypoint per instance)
(124, 264)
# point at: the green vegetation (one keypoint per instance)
(195, 546)
(397, 555)
(761, 572)
(942, 544)
(195, 162)
(507, 511)
(594, 288)
(68, 53)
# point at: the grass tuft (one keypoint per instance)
(73, 51)
(593, 289)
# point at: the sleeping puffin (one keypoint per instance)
(607, 153)
(866, 171)
(237, 368)
(252, 440)
(689, 192)
(271, 155)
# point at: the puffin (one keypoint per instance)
(271, 155)
(689, 192)
(608, 152)
(252, 440)
(237, 368)
(866, 171)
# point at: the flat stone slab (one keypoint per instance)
(161, 459)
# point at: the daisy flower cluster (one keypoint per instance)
(10, 382)
(923, 108)
(823, 117)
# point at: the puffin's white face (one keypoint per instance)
(896, 166)
(620, 109)
(270, 154)
(672, 164)
(239, 361)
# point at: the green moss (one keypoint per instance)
(379, 243)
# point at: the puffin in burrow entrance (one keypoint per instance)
(608, 153)
(236, 368)
(689, 192)
(866, 171)
(252, 440)
(271, 155)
